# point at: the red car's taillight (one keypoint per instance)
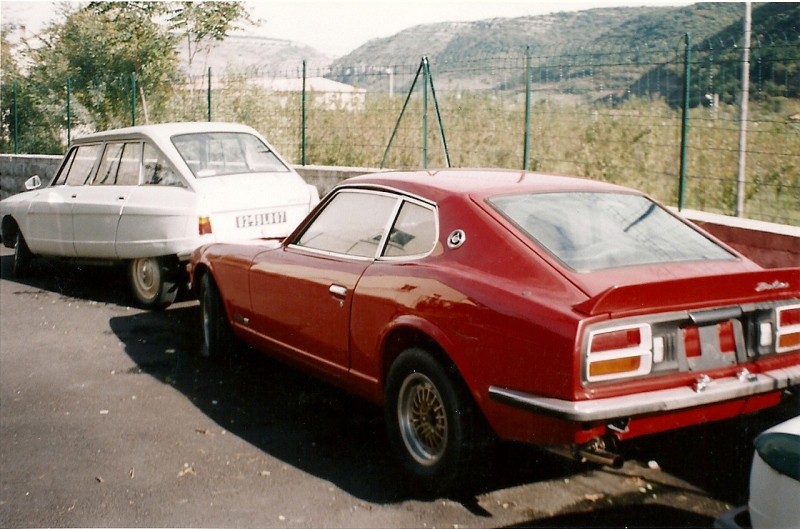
(787, 329)
(619, 352)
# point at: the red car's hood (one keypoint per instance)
(683, 287)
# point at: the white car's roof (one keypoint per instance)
(792, 427)
(163, 131)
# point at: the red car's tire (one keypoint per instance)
(433, 424)
(218, 338)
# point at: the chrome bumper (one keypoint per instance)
(710, 392)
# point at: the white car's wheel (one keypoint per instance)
(22, 257)
(153, 282)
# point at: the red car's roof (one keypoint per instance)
(435, 183)
(441, 184)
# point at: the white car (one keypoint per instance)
(774, 482)
(149, 195)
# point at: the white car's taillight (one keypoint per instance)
(787, 331)
(204, 225)
(619, 352)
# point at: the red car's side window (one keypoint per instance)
(352, 223)
(414, 232)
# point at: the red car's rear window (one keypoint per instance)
(598, 231)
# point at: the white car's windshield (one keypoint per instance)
(596, 231)
(223, 153)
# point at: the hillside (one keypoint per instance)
(601, 28)
(460, 52)
(257, 55)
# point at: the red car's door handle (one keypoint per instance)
(338, 291)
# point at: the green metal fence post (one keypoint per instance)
(687, 72)
(208, 94)
(16, 119)
(424, 113)
(133, 98)
(400, 117)
(69, 111)
(438, 114)
(303, 118)
(527, 146)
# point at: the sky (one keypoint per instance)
(337, 27)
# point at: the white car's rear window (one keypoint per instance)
(222, 153)
(596, 231)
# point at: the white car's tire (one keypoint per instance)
(153, 282)
(21, 266)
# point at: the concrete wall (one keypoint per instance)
(15, 169)
(770, 245)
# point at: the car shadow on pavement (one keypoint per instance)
(294, 417)
(100, 284)
(634, 515)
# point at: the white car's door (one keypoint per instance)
(97, 207)
(159, 217)
(48, 227)
(48, 224)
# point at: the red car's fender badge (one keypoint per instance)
(456, 238)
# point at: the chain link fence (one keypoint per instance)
(662, 117)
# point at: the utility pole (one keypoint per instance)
(744, 100)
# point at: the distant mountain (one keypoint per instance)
(467, 54)
(601, 28)
(258, 56)
(775, 31)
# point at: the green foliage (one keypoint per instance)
(22, 127)
(99, 48)
(120, 59)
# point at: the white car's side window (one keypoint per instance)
(120, 164)
(79, 167)
(157, 170)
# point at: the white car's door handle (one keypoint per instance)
(338, 291)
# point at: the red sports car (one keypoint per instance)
(479, 303)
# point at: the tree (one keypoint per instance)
(102, 47)
(21, 126)
(99, 47)
(202, 24)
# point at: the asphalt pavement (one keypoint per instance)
(109, 418)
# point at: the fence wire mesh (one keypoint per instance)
(613, 113)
